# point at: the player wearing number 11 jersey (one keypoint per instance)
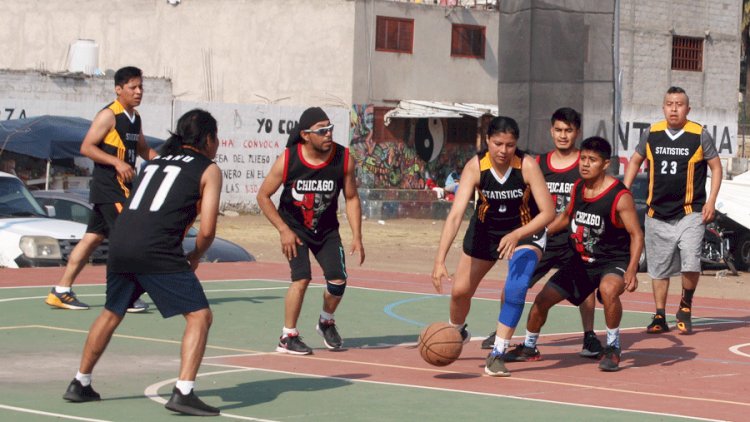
(145, 254)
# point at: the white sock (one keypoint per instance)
(62, 289)
(286, 331)
(613, 337)
(84, 379)
(185, 387)
(531, 339)
(325, 316)
(501, 345)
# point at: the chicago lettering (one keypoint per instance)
(559, 187)
(303, 186)
(503, 194)
(586, 219)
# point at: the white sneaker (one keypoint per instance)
(138, 306)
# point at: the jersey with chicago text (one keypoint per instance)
(595, 234)
(504, 200)
(147, 237)
(677, 169)
(309, 200)
(560, 183)
(122, 142)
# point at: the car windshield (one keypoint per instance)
(16, 200)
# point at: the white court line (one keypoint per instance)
(152, 392)
(736, 350)
(454, 391)
(54, 415)
(249, 289)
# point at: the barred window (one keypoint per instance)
(687, 53)
(394, 34)
(467, 41)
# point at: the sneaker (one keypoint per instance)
(495, 366)
(592, 347)
(465, 334)
(327, 330)
(684, 321)
(610, 359)
(658, 325)
(138, 306)
(189, 404)
(293, 345)
(67, 300)
(77, 393)
(521, 353)
(489, 342)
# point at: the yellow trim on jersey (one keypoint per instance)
(482, 206)
(113, 139)
(690, 180)
(650, 158)
(485, 163)
(659, 126)
(692, 127)
(525, 209)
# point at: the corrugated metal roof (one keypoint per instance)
(415, 109)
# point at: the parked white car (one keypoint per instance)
(29, 237)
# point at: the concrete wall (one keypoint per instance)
(645, 60)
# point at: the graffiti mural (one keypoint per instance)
(397, 165)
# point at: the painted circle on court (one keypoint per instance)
(736, 349)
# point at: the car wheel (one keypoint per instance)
(741, 252)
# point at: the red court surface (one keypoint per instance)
(704, 375)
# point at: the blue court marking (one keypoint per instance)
(388, 309)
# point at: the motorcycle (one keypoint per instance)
(716, 248)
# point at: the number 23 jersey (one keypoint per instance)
(148, 234)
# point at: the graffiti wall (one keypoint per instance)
(396, 164)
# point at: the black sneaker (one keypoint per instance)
(610, 359)
(495, 366)
(77, 393)
(489, 342)
(465, 334)
(684, 321)
(521, 353)
(592, 347)
(327, 330)
(293, 344)
(189, 404)
(658, 325)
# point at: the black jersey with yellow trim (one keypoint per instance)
(677, 171)
(122, 142)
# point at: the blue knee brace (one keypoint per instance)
(336, 289)
(520, 269)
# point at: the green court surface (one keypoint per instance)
(40, 348)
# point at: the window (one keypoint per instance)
(687, 53)
(461, 131)
(383, 133)
(467, 41)
(394, 34)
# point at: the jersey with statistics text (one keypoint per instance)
(147, 237)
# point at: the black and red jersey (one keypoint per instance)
(595, 234)
(309, 200)
(560, 184)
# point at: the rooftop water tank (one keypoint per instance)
(83, 56)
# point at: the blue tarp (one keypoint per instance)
(49, 137)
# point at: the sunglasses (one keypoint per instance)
(321, 131)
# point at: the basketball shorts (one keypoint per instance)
(483, 245)
(103, 217)
(674, 246)
(328, 251)
(576, 280)
(172, 293)
(556, 257)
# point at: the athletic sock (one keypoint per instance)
(687, 298)
(454, 325)
(325, 316)
(613, 337)
(84, 379)
(501, 345)
(285, 332)
(62, 289)
(531, 339)
(185, 387)
(661, 312)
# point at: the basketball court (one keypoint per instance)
(380, 376)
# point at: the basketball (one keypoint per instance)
(440, 344)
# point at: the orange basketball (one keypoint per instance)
(440, 344)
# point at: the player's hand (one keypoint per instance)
(631, 281)
(125, 172)
(357, 246)
(193, 260)
(289, 242)
(709, 212)
(438, 272)
(507, 246)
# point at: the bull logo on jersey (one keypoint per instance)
(312, 197)
(586, 230)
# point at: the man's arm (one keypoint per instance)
(270, 185)
(102, 124)
(633, 166)
(627, 215)
(209, 212)
(353, 211)
(709, 208)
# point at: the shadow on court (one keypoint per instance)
(379, 342)
(254, 393)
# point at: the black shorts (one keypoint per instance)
(552, 258)
(483, 245)
(172, 293)
(103, 218)
(576, 280)
(328, 251)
